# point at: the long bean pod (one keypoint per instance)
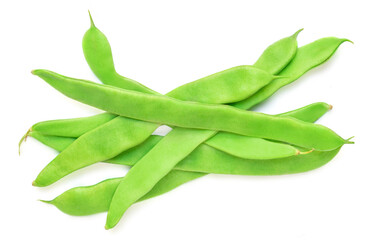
(118, 207)
(88, 200)
(93, 146)
(170, 111)
(244, 147)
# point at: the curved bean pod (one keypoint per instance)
(56, 142)
(185, 114)
(129, 183)
(233, 85)
(75, 201)
(309, 113)
(93, 199)
(98, 54)
(320, 50)
(96, 46)
(83, 201)
(75, 127)
(92, 150)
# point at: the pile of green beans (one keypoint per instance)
(213, 129)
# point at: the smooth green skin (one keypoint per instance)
(56, 142)
(113, 132)
(91, 149)
(307, 57)
(71, 127)
(129, 190)
(88, 200)
(151, 168)
(232, 86)
(83, 201)
(227, 86)
(100, 58)
(241, 146)
(170, 111)
(247, 148)
(97, 50)
(309, 113)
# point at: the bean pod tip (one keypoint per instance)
(347, 141)
(295, 35)
(92, 21)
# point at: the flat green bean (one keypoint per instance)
(75, 201)
(90, 145)
(170, 111)
(96, 46)
(88, 200)
(71, 127)
(82, 201)
(320, 50)
(130, 181)
(228, 91)
(309, 113)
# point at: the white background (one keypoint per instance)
(164, 44)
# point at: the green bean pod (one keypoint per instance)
(83, 201)
(228, 86)
(75, 201)
(170, 111)
(320, 50)
(247, 147)
(92, 148)
(75, 127)
(106, 152)
(118, 206)
(93, 199)
(56, 142)
(96, 46)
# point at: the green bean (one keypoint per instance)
(97, 51)
(278, 55)
(247, 147)
(309, 113)
(56, 142)
(110, 132)
(320, 50)
(130, 190)
(207, 159)
(170, 111)
(107, 132)
(93, 150)
(95, 46)
(74, 127)
(75, 201)
(151, 168)
(88, 200)
(228, 91)
(250, 80)
(71, 127)
(251, 148)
